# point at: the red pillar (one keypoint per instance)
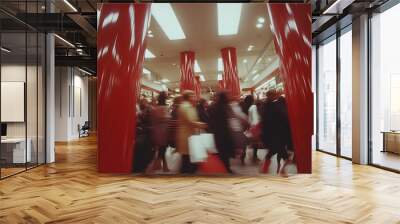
(197, 87)
(230, 76)
(121, 43)
(187, 71)
(291, 27)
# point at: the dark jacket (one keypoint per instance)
(219, 126)
(275, 124)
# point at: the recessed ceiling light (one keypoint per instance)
(70, 5)
(148, 54)
(166, 18)
(202, 78)
(261, 19)
(245, 61)
(259, 25)
(250, 48)
(164, 80)
(220, 65)
(228, 18)
(196, 66)
(5, 50)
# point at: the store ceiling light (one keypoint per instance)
(148, 54)
(146, 71)
(196, 67)
(64, 40)
(260, 20)
(166, 18)
(202, 79)
(165, 80)
(220, 65)
(259, 25)
(228, 18)
(245, 61)
(5, 50)
(70, 5)
(250, 48)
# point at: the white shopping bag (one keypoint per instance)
(208, 142)
(174, 160)
(197, 151)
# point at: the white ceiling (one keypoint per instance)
(200, 24)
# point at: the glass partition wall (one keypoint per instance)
(385, 89)
(22, 77)
(334, 94)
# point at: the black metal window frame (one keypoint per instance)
(334, 37)
(29, 30)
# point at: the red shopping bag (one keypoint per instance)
(213, 165)
(256, 131)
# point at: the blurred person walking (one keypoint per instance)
(220, 115)
(160, 117)
(188, 124)
(276, 134)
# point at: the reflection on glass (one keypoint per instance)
(386, 89)
(327, 96)
(14, 153)
(346, 94)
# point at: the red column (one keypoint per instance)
(197, 88)
(187, 71)
(221, 84)
(230, 76)
(291, 26)
(121, 43)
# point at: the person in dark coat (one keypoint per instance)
(202, 110)
(220, 113)
(275, 134)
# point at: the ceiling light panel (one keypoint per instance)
(220, 65)
(148, 54)
(166, 18)
(196, 67)
(228, 18)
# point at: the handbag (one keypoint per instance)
(208, 142)
(174, 159)
(197, 150)
(213, 165)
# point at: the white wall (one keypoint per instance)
(71, 102)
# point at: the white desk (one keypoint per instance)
(17, 146)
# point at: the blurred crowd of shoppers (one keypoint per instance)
(236, 124)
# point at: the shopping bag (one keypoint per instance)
(209, 142)
(173, 159)
(213, 165)
(197, 151)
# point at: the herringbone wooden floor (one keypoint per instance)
(71, 191)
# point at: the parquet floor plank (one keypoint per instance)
(71, 191)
